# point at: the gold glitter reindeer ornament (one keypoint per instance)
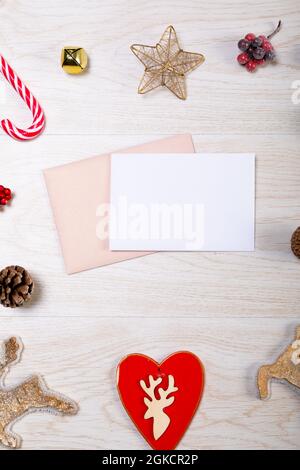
(30, 395)
(287, 367)
(166, 64)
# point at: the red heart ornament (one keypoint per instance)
(161, 399)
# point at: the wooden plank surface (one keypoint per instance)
(236, 311)
(78, 357)
(105, 99)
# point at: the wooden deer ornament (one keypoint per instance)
(156, 405)
(30, 395)
(287, 367)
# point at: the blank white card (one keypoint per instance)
(182, 202)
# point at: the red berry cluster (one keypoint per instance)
(256, 50)
(5, 195)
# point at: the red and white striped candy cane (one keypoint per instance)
(38, 115)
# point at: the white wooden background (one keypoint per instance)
(236, 311)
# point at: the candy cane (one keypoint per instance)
(38, 115)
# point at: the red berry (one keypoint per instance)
(262, 37)
(259, 61)
(251, 66)
(5, 195)
(243, 58)
(267, 46)
(250, 37)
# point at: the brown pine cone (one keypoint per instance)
(295, 242)
(16, 286)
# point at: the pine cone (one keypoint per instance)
(16, 286)
(295, 242)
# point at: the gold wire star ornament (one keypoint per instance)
(166, 64)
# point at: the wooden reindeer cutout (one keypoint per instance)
(30, 395)
(156, 405)
(286, 367)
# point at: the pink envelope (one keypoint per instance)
(76, 218)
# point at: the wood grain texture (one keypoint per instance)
(80, 358)
(105, 99)
(236, 311)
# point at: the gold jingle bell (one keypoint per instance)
(74, 60)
